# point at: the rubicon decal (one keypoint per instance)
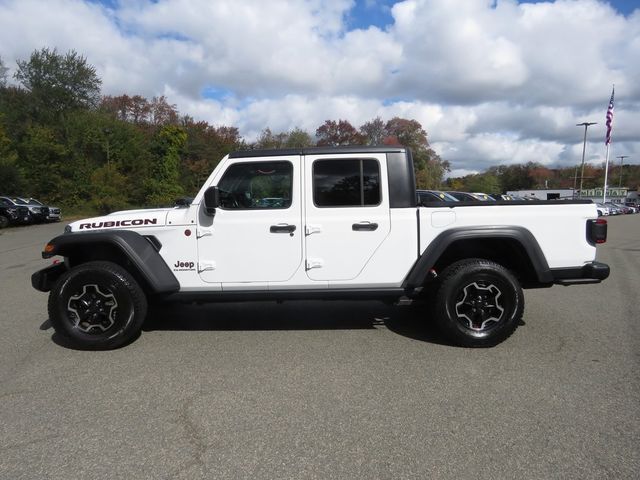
(183, 266)
(119, 223)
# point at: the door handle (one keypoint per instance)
(282, 228)
(364, 226)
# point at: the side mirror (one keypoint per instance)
(211, 200)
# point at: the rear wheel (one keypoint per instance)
(4, 221)
(97, 305)
(479, 303)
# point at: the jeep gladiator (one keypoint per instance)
(319, 223)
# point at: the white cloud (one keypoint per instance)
(491, 82)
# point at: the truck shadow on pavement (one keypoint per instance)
(408, 321)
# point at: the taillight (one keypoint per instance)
(597, 231)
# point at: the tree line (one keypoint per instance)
(64, 142)
(532, 175)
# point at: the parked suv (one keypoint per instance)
(54, 213)
(11, 214)
(39, 213)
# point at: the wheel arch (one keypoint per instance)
(513, 247)
(132, 251)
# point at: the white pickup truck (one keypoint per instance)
(319, 223)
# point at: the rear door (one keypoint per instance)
(346, 213)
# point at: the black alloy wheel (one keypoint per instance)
(479, 303)
(97, 305)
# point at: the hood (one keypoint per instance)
(126, 219)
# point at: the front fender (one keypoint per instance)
(134, 247)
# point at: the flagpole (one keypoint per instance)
(607, 142)
(606, 174)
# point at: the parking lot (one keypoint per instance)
(325, 389)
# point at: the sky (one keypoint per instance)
(493, 82)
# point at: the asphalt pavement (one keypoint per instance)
(325, 390)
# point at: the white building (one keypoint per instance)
(546, 194)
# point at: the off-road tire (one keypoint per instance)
(479, 303)
(97, 305)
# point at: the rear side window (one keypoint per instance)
(346, 183)
(256, 185)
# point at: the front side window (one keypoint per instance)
(346, 183)
(256, 185)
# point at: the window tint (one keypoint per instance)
(346, 183)
(256, 185)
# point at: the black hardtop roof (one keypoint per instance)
(317, 151)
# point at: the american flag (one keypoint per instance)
(609, 121)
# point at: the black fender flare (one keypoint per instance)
(141, 252)
(439, 245)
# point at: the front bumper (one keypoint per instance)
(592, 272)
(44, 279)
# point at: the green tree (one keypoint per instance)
(58, 83)
(11, 181)
(95, 139)
(483, 182)
(163, 186)
(298, 138)
(107, 188)
(42, 165)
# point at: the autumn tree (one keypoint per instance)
(135, 109)
(205, 146)
(374, 132)
(429, 167)
(332, 133)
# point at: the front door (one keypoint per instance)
(347, 214)
(256, 233)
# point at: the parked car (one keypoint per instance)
(471, 197)
(603, 210)
(613, 209)
(38, 213)
(626, 209)
(501, 196)
(434, 196)
(54, 215)
(12, 214)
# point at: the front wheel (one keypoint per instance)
(4, 221)
(97, 305)
(479, 303)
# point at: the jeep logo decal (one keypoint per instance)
(119, 223)
(183, 266)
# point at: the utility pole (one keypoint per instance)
(584, 147)
(621, 157)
